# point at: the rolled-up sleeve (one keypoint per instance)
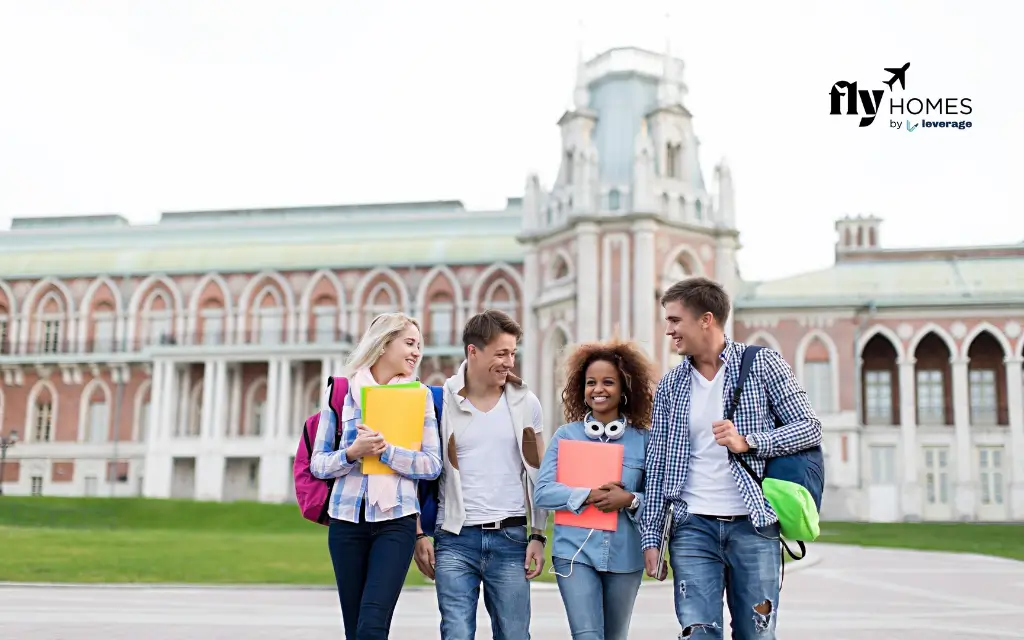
(326, 462)
(555, 496)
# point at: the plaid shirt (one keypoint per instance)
(771, 390)
(350, 489)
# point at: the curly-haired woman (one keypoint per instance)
(608, 396)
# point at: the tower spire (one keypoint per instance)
(580, 94)
(668, 87)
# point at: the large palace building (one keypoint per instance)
(180, 359)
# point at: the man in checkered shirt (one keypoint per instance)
(723, 536)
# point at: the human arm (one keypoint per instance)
(424, 551)
(652, 518)
(418, 465)
(326, 462)
(800, 428)
(552, 495)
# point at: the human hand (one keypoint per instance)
(651, 564)
(367, 443)
(534, 559)
(614, 498)
(595, 495)
(727, 436)
(424, 556)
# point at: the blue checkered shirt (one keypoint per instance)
(771, 390)
(349, 490)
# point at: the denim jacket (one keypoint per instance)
(613, 551)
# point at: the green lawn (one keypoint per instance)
(159, 541)
(1004, 540)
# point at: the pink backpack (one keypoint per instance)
(312, 493)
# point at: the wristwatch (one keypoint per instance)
(750, 443)
(539, 538)
(633, 506)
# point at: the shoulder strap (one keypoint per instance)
(748, 361)
(339, 389)
(438, 395)
(749, 353)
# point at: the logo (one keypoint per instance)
(847, 99)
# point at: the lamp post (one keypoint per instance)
(5, 441)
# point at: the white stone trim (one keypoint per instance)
(833, 358)
(513, 276)
(881, 329)
(931, 327)
(965, 344)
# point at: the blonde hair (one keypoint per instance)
(376, 339)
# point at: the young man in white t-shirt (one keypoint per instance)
(724, 536)
(488, 531)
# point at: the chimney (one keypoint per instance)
(857, 234)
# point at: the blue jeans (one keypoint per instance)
(371, 560)
(599, 604)
(497, 558)
(710, 555)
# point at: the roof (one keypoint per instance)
(283, 239)
(954, 281)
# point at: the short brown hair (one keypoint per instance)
(636, 374)
(700, 295)
(484, 327)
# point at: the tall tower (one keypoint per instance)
(628, 215)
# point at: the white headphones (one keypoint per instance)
(595, 430)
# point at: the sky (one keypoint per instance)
(139, 106)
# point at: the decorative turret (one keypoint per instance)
(857, 234)
(725, 206)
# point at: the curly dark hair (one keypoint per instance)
(637, 375)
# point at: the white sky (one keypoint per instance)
(140, 106)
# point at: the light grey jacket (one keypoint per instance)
(455, 418)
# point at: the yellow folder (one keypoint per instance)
(397, 413)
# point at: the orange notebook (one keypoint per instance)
(590, 465)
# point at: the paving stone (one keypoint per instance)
(850, 593)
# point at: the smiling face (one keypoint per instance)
(687, 330)
(403, 353)
(602, 390)
(492, 364)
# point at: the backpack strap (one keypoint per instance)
(747, 362)
(338, 386)
(745, 365)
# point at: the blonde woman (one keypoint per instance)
(372, 531)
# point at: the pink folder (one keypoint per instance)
(590, 465)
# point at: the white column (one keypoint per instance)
(206, 426)
(1015, 397)
(273, 478)
(184, 404)
(725, 274)
(964, 507)
(235, 417)
(273, 397)
(326, 371)
(280, 427)
(644, 286)
(156, 479)
(587, 283)
(531, 332)
(210, 460)
(910, 489)
(223, 406)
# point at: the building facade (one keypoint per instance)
(180, 359)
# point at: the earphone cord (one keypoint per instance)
(573, 559)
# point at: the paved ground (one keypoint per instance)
(849, 594)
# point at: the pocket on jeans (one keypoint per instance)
(516, 534)
(770, 532)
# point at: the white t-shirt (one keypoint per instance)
(709, 488)
(491, 465)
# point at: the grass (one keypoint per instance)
(1002, 540)
(94, 540)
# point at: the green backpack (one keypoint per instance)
(791, 484)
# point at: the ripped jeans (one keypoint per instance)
(709, 555)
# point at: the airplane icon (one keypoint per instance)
(898, 74)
